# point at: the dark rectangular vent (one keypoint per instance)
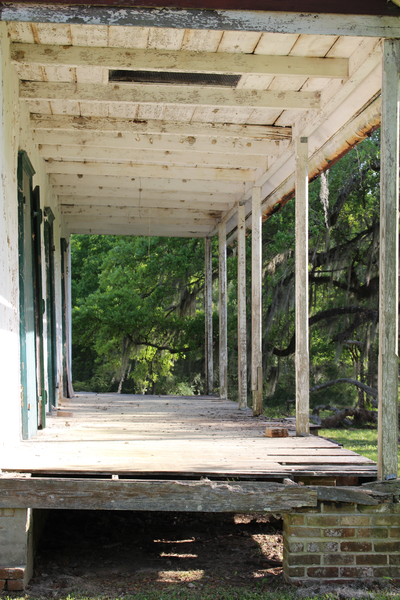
(167, 77)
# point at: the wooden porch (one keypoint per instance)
(178, 437)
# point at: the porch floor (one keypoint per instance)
(175, 436)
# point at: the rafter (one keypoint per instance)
(170, 142)
(149, 171)
(152, 126)
(147, 59)
(118, 200)
(160, 157)
(159, 94)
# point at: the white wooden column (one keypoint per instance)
(301, 290)
(256, 304)
(388, 363)
(223, 316)
(242, 342)
(208, 314)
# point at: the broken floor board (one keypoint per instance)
(156, 436)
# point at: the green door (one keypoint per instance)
(50, 306)
(29, 399)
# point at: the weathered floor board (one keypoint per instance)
(152, 436)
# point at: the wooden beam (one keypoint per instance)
(140, 212)
(107, 228)
(209, 345)
(158, 94)
(147, 59)
(154, 495)
(223, 314)
(256, 303)
(134, 201)
(388, 363)
(187, 142)
(273, 21)
(187, 223)
(152, 127)
(163, 157)
(301, 290)
(149, 171)
(242, 333)
(164, 185)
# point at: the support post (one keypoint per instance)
(256, 303)
(301, 290)
(223, 315)
(388, 363)
(208, 314)
(242, 341)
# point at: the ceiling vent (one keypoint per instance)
(167, 77)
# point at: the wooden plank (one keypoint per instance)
(185, 142)
(149, 171)
(119, 229)
(376, 21)
(140, 59)
(353, 495)
(158, 94)
(124, 200)
(256, 303)
(223, 315)
(185, 496)
(164, 185)
(152, 127)
(301, 289)
(241, 294)
(141, 212)
(115, 219)
(160, 157)
(208, 310)
(388, 362)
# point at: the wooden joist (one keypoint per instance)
(139, 59)
(153, 127)
(124, 200)
(158, 94)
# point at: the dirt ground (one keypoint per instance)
(116, 553)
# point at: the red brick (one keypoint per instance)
(295, 572)
(338, 507)
(391, 520)
(303, 532)
(394, 559)
(395, 532)
(322, 547)
(303, 559)
(339, 532)
(387, 572)
(356, 547)
(322, 572)
(12, 572)
(338, 559)
(323, 521)
(371, 559)
(387, 546)
(355, 520)
(374, 532)
(379, 508)
(359, 572)
(293, 547)
(15, 585)
(2, 584)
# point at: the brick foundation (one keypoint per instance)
(12, 578)
(342, 542)
(16, 548)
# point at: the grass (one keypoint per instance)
(363, 441)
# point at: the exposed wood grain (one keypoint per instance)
(184, 61)
(86, 124)
(278, 432)
(388, 362)
(157, 94)
(185, 496)
(353, 495)
(256, 303)
(301, 289)
(223, 315)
